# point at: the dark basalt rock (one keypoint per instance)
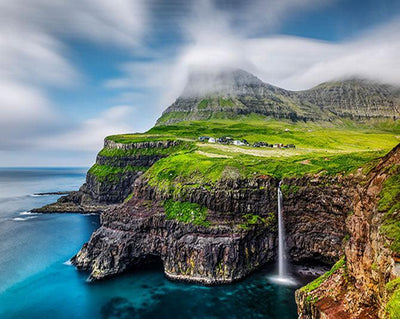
(124, 161)
(96, 195)
(137, 232)
(315, 210)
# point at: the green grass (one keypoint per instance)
(393, 305)
(289, 189)
(203, 104)
(389, 203)
(110, 173)
(226, 102)
(139, 138)
(317, 282)
(253, 220)
(254, 128)
(114, 152)
(186, 212)
(328, 148)
(166, 117)
(171, 173)
(344, 136)
(128, 198)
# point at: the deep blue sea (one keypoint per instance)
(36, 281)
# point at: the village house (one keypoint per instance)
(261, 144)
(225, 140)
(238, 143)
(228, 140)
(204, 138)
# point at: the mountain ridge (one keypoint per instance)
(233, 93)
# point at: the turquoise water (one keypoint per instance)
(35, 281)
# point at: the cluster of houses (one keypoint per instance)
(230, 141)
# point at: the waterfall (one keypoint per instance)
(282, 238)
(283, 277)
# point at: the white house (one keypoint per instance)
(237, 142)
(211, 140)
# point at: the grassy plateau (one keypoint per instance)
(326, 148)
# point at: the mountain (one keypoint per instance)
(209, 212)
(232, 93)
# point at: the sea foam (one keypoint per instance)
(22, 219)
(26, 213)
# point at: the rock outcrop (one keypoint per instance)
(357, 289)
(315, 209)
(138, 232)
(110, 181)
(228, 249)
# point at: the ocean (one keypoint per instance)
(36, 280)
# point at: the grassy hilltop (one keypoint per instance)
(320, 148)
(336, 128)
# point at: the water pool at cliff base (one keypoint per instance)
(35, 281)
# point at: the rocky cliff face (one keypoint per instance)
(232, 93)
(358, 288)
(138, 232)
(231, 246)
(315, 209)
(354, 98)
(110, 181)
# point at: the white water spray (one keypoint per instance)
(283, 276)
(282, 238)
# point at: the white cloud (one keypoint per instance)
(34, 58)
(299, 63)
(261, 15)
(120, 22)
(290, 62)
(88, 135)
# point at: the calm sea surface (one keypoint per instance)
(36, 281)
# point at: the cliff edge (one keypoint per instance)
(365, 282)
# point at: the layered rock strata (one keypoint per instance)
(357, 289)
(138, 231)
(119, 168)
(141, 233)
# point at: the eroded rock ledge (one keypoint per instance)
(138, 231)
(101, 192)
(358, 286)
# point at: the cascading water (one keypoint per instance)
(282, 268)
(283, 275)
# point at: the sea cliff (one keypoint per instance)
(208, 212)
(237, 234)
(365, 282)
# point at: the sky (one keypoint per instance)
(73, 72)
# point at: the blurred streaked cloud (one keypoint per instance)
(72, 72)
